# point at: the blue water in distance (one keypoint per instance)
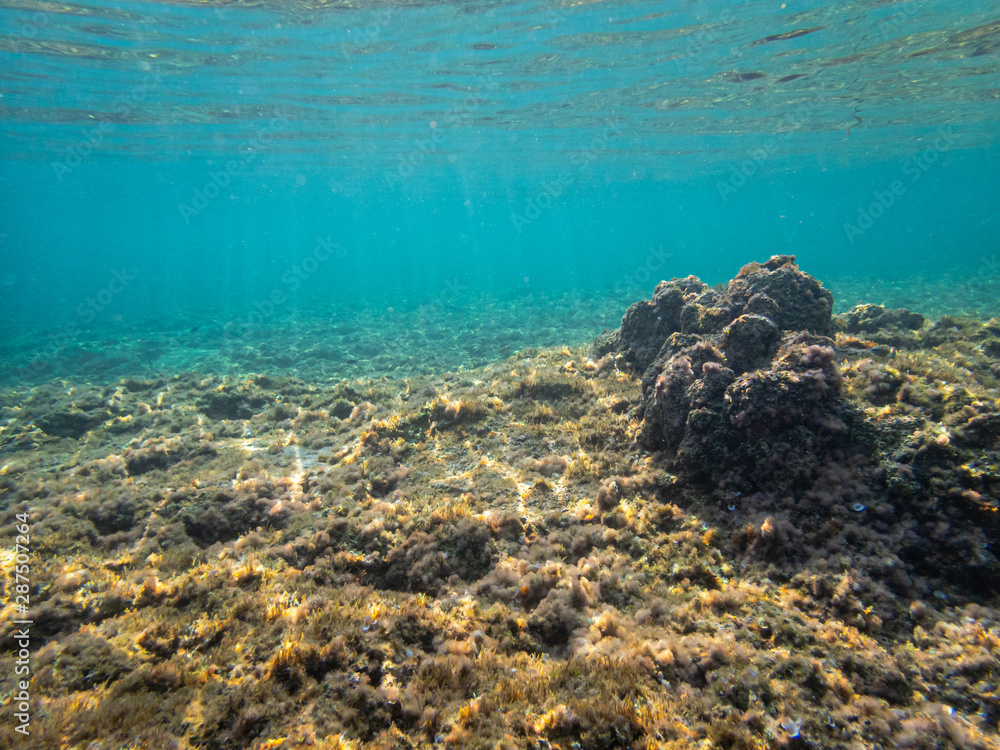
(161, 159)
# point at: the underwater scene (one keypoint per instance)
(499, 374)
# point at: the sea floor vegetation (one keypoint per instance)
(738, 521)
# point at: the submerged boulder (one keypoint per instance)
(734, 376)
(776, 290)
(750, 342)
(873, 318)
(647, 323)
(743, 396)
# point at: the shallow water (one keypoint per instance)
(306, 439)
(192, 162)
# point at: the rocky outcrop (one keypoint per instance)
(733, 377)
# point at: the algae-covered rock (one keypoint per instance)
(801, 302)
(776, 290)
(648, 322)
(749, 342)
(715, 422)
(736, 368)
(667, 395)
(872, 318)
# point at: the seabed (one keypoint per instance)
(523, 554)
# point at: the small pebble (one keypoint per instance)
(792, 727)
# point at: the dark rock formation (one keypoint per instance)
(873, 318)
(775, 290)
(749, 342)
(648, 322)
(733, 378)
(742, 395)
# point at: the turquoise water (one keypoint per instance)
(202, 174)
